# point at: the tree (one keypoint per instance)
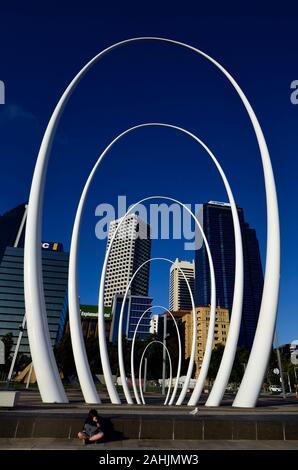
(92, 350)
(241, 359)
(64, 356)
(23, 360)
(215, 361)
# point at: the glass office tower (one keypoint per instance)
(216, 220)
(10, 227)
(134, 307)
(12, 307)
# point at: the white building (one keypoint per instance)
(131, 247)
(179, 293)
(154, 324)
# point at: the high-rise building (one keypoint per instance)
(220, 331)
(55, 275)
(154, 324)
(131, 247)
(217, 223)
(12, 306)
(180, 298)
(135, 306)
(12, 225)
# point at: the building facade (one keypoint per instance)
(131, 248)
(12, 231)
(12, 306)
(221, 330)
(180, 298)
(135, 306)
(154, 324)
(89, 321)
(217, 223)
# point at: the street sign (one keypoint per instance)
(276, 371)
(2, 352)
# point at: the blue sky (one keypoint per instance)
(40, 54)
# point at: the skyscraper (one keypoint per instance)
(179, 293)
(130, 249)
(12, 225)
(135, 306)
(216, 220)
(154, 324)
(12, 306)
(55, 275)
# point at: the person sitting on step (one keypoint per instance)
(92, 432)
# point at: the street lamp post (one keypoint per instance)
(145, 374)
(280, 366)
(163, 389)
(21, 328)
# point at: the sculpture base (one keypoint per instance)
(8, 399)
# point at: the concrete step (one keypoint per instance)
(145, 444)
(164, 427)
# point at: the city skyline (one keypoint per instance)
(127, 234)
(25, 114)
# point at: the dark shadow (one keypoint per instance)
(110, 434)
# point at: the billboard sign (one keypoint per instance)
(52, 246)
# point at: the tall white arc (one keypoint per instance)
(78, 346)
(47, 375)
(120, 345)
(231, 344)
(132, 369)
(140, 370)
(104, 355)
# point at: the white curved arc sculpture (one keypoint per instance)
(231, 344)
(104, 355)
(133, 347)
(140, 370)
(83, 369)
(120, 347)
(47, 375)
(78, 346)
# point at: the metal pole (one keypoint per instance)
(22, 225)
(296, 384)
(22, 328)
(145, 375)
(289, 383)
(16, 350)
(280, 367)
(163, 390)
(29, 376)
